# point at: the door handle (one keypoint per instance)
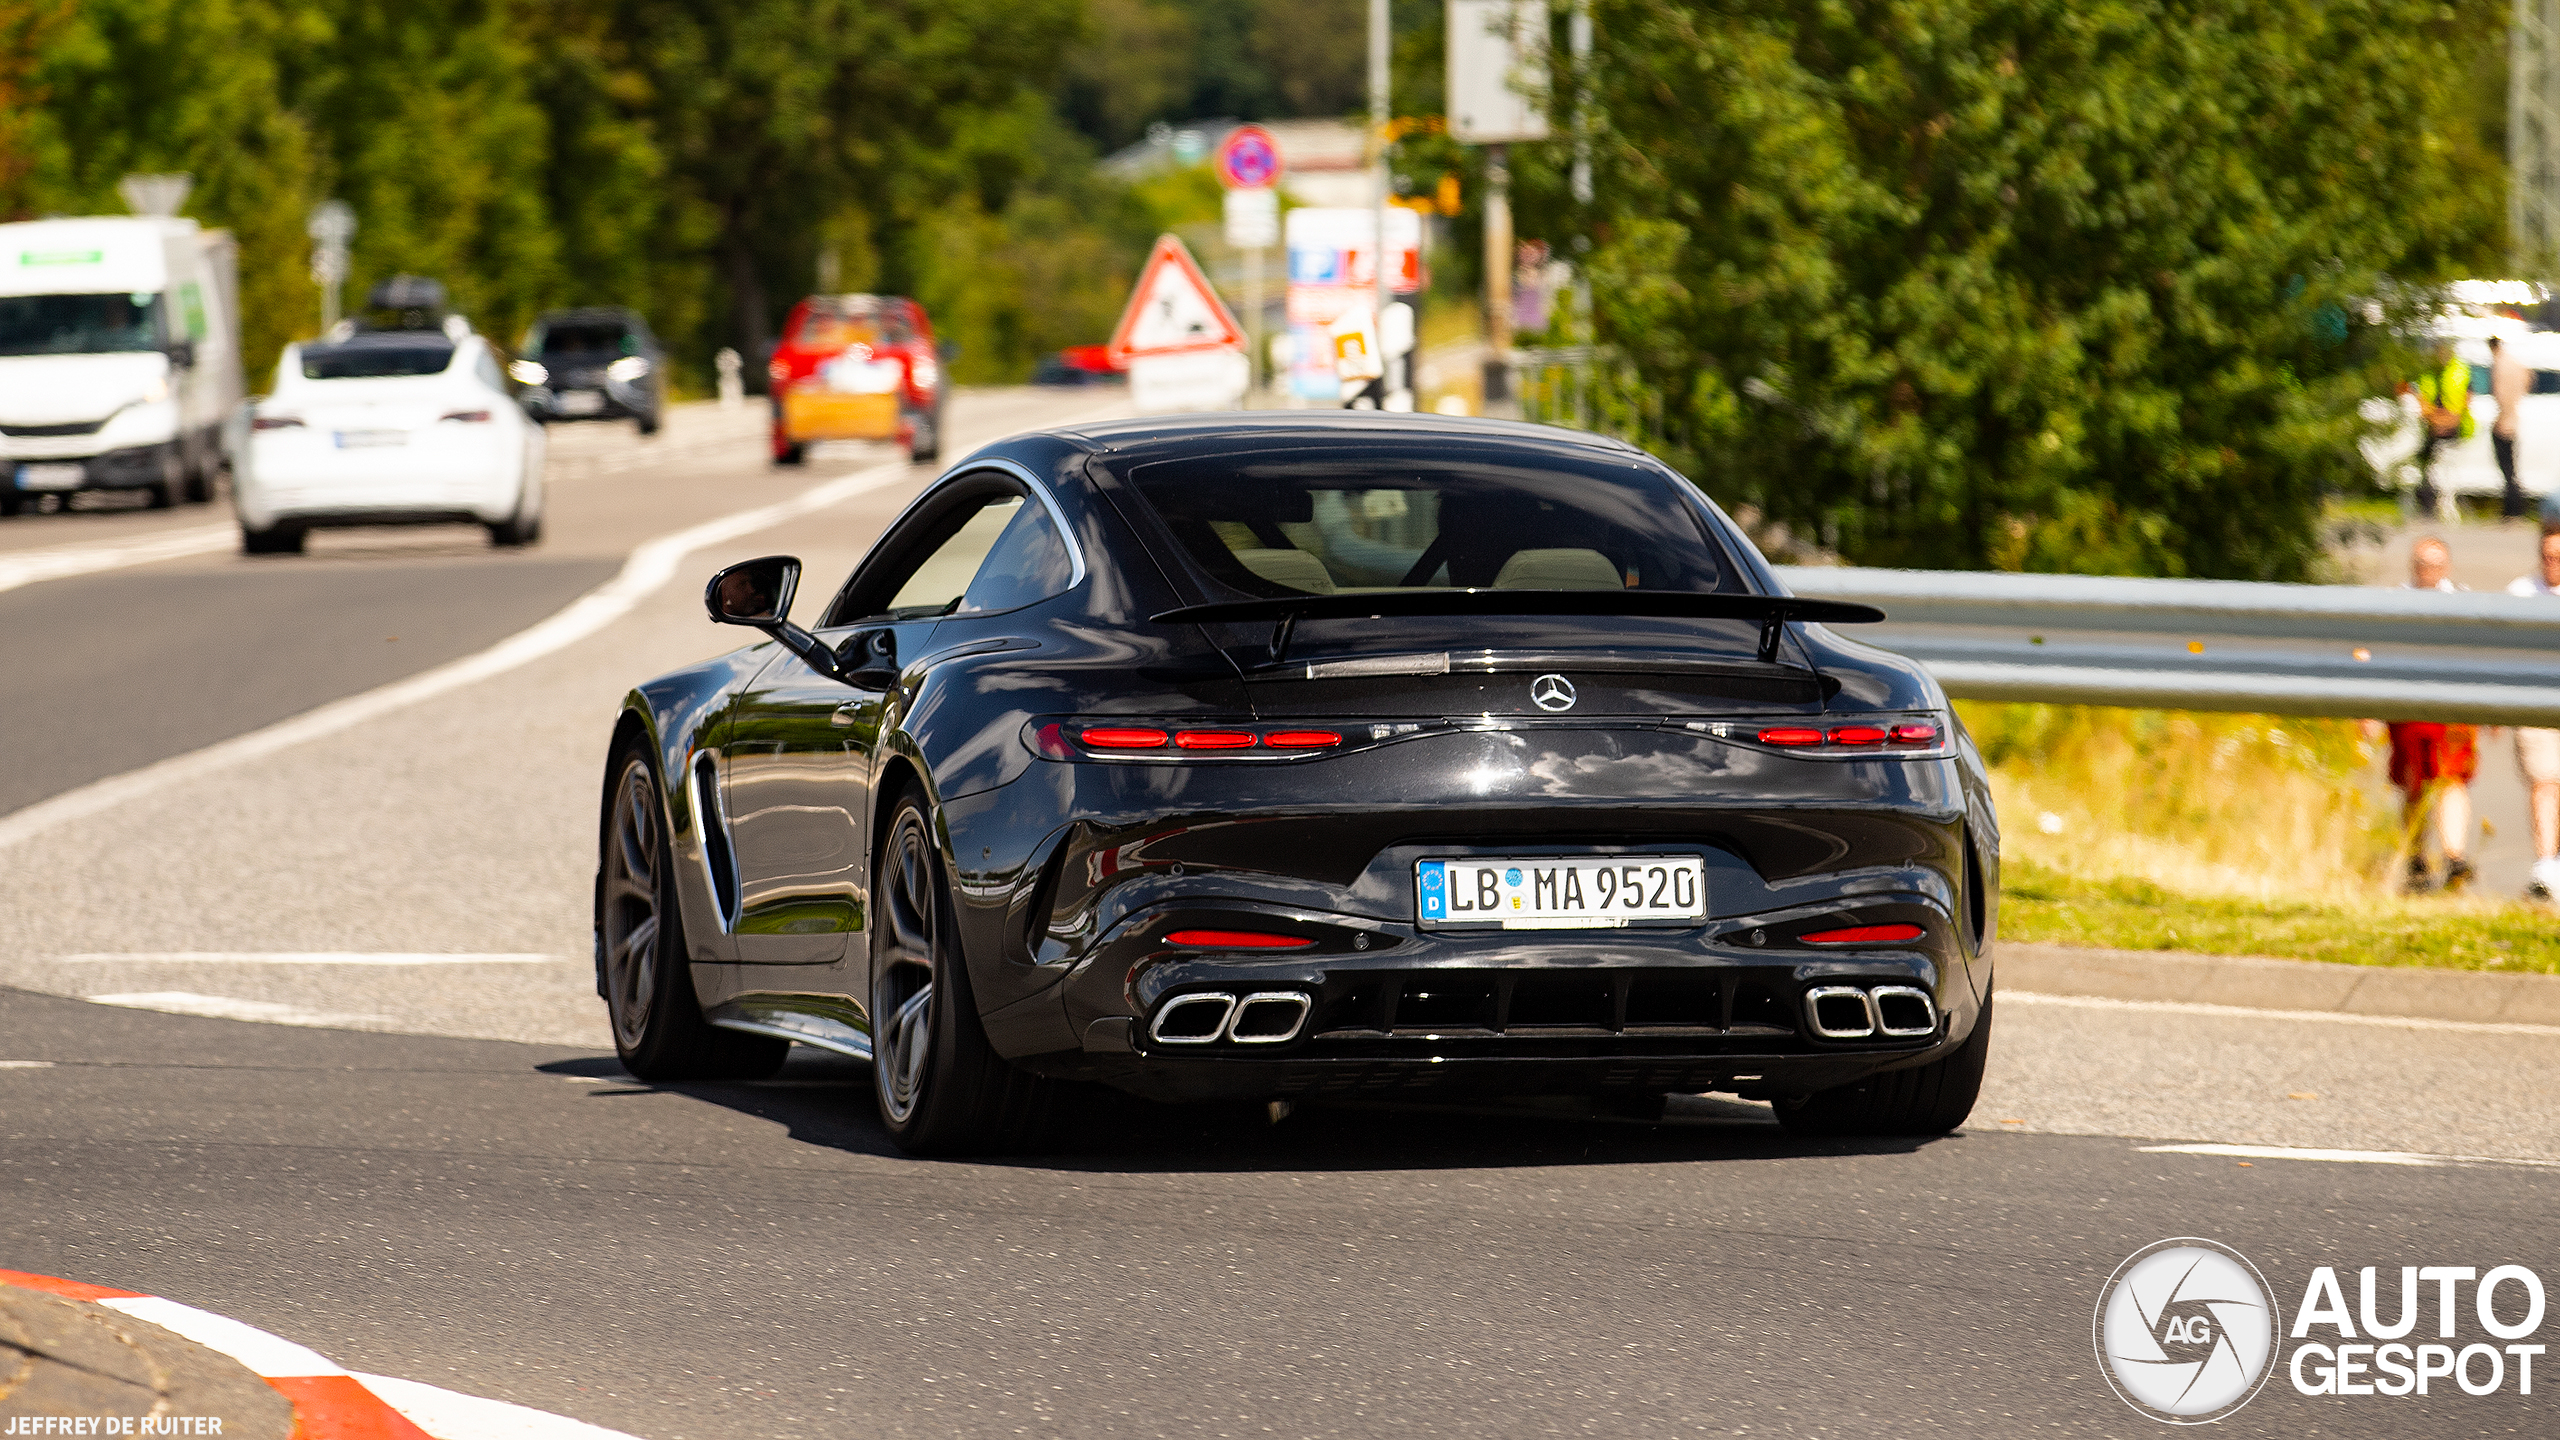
(847, 714)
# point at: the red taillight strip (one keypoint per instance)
(1214, 739)
(1237, 940)
(1865, 935)
(1123, 737)
(1859, 735)
(1915, 734)
(1790, 735)
(1302, 739)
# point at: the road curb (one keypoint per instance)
(2249, 982)
(325, 1401)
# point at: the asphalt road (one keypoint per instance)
(433, 1168)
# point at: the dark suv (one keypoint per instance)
(594, 364)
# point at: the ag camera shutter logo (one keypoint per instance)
(2186, 1331)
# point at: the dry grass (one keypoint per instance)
(2228, 834)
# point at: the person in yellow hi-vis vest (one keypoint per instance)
(2444, 411)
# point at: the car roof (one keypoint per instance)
(1167, 436)
(588, 312)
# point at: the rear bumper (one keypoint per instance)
(427, 489)
(1392, 1010)
(131, 467)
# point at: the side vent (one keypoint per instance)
(1976, 911)
(711, 827)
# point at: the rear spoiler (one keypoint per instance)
(1772, 611)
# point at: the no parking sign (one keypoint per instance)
(1249, 159)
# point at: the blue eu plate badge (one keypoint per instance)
(1435, 890)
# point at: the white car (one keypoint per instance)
(2470, 467)
(390, 427)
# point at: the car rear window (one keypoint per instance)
(1327, 521)
(361, 360)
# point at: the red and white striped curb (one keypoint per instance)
(330, 1403)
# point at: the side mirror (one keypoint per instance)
(753, 592)
(182, 354)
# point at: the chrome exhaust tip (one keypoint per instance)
(1199, 1018)
(1839, 1012)
(1269, 1017)
(1903, 1012)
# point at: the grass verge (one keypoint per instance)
(2038, 903)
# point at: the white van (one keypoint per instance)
(119, 358)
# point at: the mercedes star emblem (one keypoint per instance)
(1552, 692)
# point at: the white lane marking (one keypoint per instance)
(289, 957)
(450, 1415)
(223, 1007)
(2348, 1157)
(268, 1356)
(650, 567)
(26, 567)
(2243, 1012)
(26, 1064)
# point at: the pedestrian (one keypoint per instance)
(2444, 415)
(2508, 382)
(2431, 758)
(2538, 751)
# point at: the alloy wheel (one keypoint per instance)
(631, 915)
(903, 1004)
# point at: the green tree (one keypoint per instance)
(2041, 284)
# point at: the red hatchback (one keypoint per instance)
(856, 367)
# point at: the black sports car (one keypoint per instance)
(1304, 755)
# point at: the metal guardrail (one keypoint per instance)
(2338, 650)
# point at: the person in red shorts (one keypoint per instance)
(2427, 756)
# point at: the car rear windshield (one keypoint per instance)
(79, 324)
(603, 338)
(366, 360)
(1323, 521)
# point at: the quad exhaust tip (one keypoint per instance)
(1846, 1012)
(1205, 1017)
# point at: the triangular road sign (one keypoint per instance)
(1173, 311)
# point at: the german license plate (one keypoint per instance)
(580, 402)
(51, 477)
(370, 439)
(1561, 892)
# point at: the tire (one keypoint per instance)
(942, 1088)
(648, 425)
(1929, 1099)
(200, 482)
(518, 529)
(11, 502)
(924, 436)
(643, 967)
(791, 454)
(278, 540)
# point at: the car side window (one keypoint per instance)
(1005, 552)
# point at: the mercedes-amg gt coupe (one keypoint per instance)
(1297, 756)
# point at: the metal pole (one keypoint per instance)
(1578, 34)
(1252, 323)
(1497, 278)
(1380, 114)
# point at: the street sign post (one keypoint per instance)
(332, 225)
(1249, 166)
(1182, 350)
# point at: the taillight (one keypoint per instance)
(1859, 735)
(1884, 736)
(1864, 935)
(777, 372)
(1915, 734)
(1212, 739)
(276, 422)
(1790, 735)
(1123, 737)
(467, 417)
(1237, 940)
(1301, 739)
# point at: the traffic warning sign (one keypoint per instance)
(1182, 350)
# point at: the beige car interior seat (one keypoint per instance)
(1558, 570)
(1294, 568)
